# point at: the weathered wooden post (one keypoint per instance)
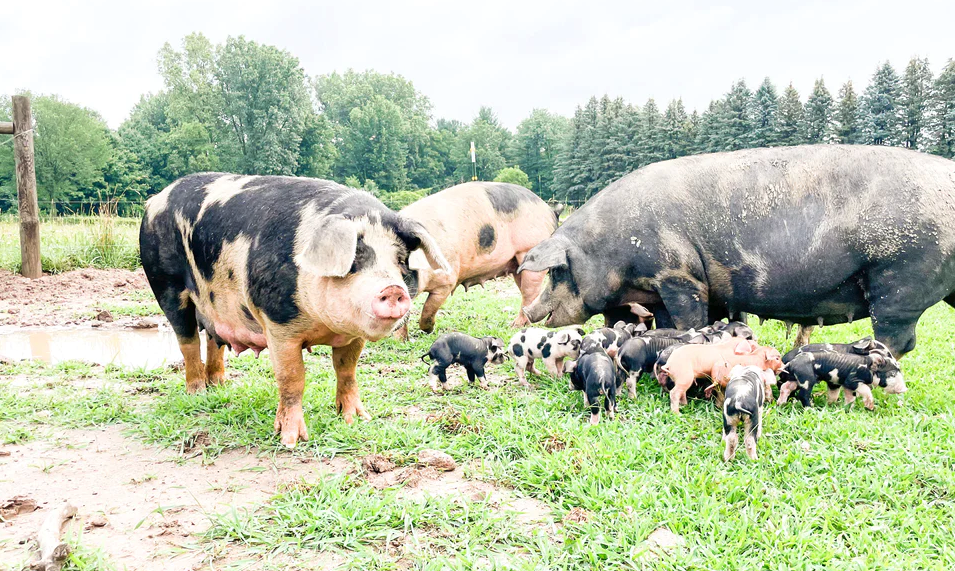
(22, 131)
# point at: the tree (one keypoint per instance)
(915, 101)
(265, 105)
(790, 118)
(818, 114)
(765, 108)
(375, 148)
(736, 124)
(846, 117)
(880, 108)
(651, 134)
(709, 132)
(490, 141)
(535, 148)
(943, 124)
(72, 149)
(316, 152)
(676, 128)
(514, 175)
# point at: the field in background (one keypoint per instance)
(74, 242)
(833, 488)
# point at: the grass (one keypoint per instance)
(834, 488)
(74, 242)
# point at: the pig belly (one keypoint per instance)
(486, 268)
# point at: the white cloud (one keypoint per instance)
(513, 56)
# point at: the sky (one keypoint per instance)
(513, 56)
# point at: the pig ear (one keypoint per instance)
(562, 338)
(876, 360)
(330, 251)
(639, 310)
(428, 246)
(743, 348)
(865, 344)
(569, 366)
(544, 256)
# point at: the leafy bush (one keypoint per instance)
(401, 198)
(513, 175)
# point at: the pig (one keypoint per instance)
(484, 229)
(744, 398)
(612, 338)
(637, 356)
(553, 347)
(691, 362)
(850, 371)
(735, 329)
(284, 263)
(460, 349)
(864, 346)
(595, 374)
(814, 234)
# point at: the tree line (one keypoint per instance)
(250, 108)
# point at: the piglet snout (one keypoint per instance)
(391, 303)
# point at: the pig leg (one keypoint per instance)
(479, 373)
(678, 394)
(530, 285)
(181, 313)
(289, 370)
(686, 300)
(195, 371)
(632, 384)
(865, 391)
(750, 427)
(785, 390)
(345, 360)
(832, 395)
(439, 378)
(610, 403)
(802, 337)
(520, 366)
(730, 437)
(431, 306)
(215, 363)
(401, 334)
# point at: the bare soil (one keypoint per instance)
(69, 299)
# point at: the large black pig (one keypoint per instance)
(284, 263)
(818, 234)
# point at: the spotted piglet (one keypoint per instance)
(595, 373)
(460, 349)
(612, 338)
(553, 347)
(743, 403)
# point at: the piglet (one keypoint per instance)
(553, 347)
(745, 394)
(595, 374)
(612, 338)
(471, 352)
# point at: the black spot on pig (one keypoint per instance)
(364, 257)
(518, 350)
(231, 275)
(545, 353)
(486, 238)
(212, 297)
(507, 198)
(248, 314)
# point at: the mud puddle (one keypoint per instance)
(128, 348)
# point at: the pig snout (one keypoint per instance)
(895, 384)
(392, 302)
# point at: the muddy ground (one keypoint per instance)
(77, 298)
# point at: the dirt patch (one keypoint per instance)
(143, 506)
(71, 298)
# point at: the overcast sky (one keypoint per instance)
(511, 55)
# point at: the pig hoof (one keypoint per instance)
(351, 406)
(196, 387)
(594, 419)
(291, 425)
(215, 380)
(520, 321)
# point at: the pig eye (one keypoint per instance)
(364, 257)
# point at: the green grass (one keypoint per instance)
(74, 242)
(833, 488)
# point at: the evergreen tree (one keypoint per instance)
(846, 117)
(943, 123)
(614, 159)
(736, 120)
(652, 143)
(709, 136)
(818, 114)
(790, 118)
(535, 147)
(880, 108)
(676, 130)
(765, 108)
(915, 101)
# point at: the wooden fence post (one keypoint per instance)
(26, 188)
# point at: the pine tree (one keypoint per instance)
(709, 136)
(765, 108)
(568, 163)
(914, 101)
(818, 114)
(790, 118)
(880, 108)
(736, 118)
(615, 154)
(676, 130)
(652, 130)
(846, 117)
(943, 116)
